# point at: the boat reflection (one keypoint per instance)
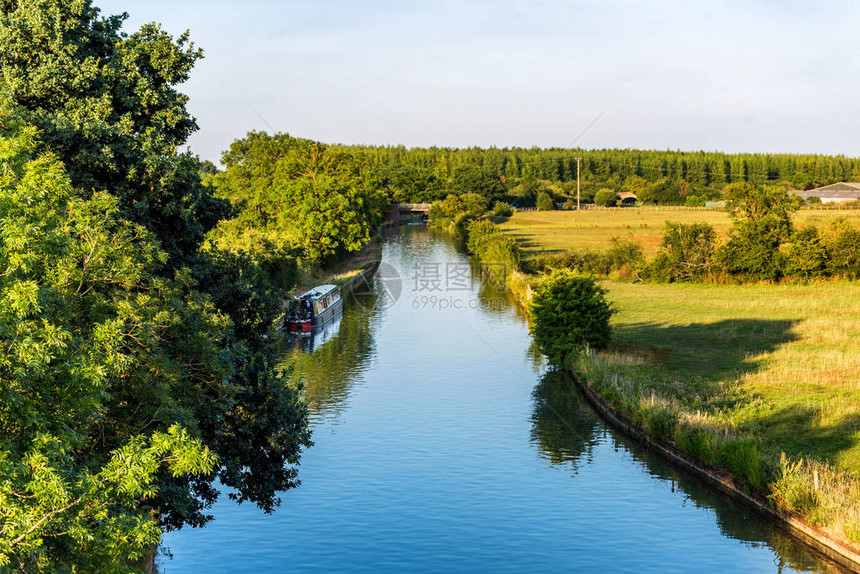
(318, 336)
(329, 360)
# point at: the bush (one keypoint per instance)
(842, 245)
(502, 209)
(622, 255)
(686, 254)
(794, 492)
(662, 423)
(699, 442)
(544, 202)
(762, 223)
(742, 459)
(805, 256)
(569, 312)
(492, 246)
(696, 200)
(604, 198)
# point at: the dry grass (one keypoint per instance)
(540, 231)
(789, 352)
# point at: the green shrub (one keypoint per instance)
(544, 202)
(569, 312)
(793, 492)
(662, 423)
(492, 246)
(806, 255)
(742, 459)
(687, 253)
(696, 200)
(699, 442)
(502, 209)
(762, 222)
(604, 198)
(842, 246)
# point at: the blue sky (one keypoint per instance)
(757, 75)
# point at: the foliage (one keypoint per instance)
(696, 200)
(686, 254)
(662, 423)
(623, 256)
(295, 194)
(805, 256)
(569, 312)
(842, 246)
(502, 209)
(106, 105)
(544, 202)
(741, 458)
(107, 372)
(113, 336)
(656, 177)
(497, 250)
(604, 198)
(762, 223)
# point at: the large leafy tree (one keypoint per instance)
(762, 218)
(101, 364)
(197, 325)
(297, 194)
(569, 313)
(107, 105)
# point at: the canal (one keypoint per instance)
(443, 444)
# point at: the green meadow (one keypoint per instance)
(777, 365)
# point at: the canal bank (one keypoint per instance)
(833, 547)
(443, 443)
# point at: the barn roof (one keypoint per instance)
(841, 190)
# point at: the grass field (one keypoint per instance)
(778, 363)
(540, 231)
(785, 358)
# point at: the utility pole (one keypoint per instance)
(577, 183)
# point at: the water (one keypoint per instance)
(442, 444)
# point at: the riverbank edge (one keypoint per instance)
(819, 541)
(723, 481)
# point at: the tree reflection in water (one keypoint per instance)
(563, 426)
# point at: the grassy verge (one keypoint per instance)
(759, 380)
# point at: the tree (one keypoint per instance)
(297, 195)
(762, 222)
(604, 198)
(686, 254)
(805, 255)
(101, 365)
(544, 202)
(569, 312)
(106, 105)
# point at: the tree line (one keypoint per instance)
(518, 175)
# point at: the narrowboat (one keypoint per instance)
(317, 306)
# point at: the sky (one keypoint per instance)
(733, 76)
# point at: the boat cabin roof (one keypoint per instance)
(318, 292)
